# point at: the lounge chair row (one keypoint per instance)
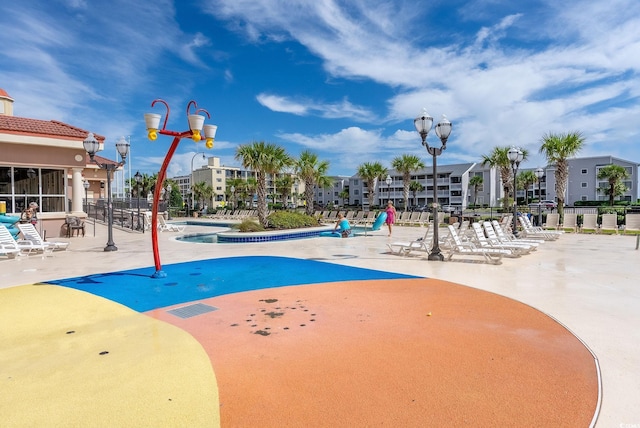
(488, 240)
(608, 223)
(30, 243)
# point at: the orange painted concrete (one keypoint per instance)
(400, 353)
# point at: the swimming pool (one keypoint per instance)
(278, 235)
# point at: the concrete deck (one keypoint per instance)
(589, 283)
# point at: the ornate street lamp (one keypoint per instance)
(539, 174)
(92, 146)
(196, 128)
(423, 125)
(138, 178)
(515, 156)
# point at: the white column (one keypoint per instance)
(77, 191)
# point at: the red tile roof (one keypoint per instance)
(36, 127)
(4, 94)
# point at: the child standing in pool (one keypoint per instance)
(391, 215)
(342, 226)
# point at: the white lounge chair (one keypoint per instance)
(421, 245)
(492, 236)
(553, 221)
(8, 251)
(508, 237)
(169, 227)
(30, 234)
(589, 223)
(458, 247)
(530, 231)
(631, 223)
(570, 221)
(8, 246)
(609, 223)
(482, 241)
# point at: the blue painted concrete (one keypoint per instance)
(190, 281)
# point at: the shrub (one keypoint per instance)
(249, 225)
(290, 220)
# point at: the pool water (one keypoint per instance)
(212, 238)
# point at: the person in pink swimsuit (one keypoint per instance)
(391, 215)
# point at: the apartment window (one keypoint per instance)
(584, 185)
(356, 192)
(584, 198)
(584, 171)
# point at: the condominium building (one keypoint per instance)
(452, 184)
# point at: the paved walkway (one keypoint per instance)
(586, 282)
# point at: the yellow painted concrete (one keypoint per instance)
(52, 372)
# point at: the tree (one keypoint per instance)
(526, 179)
(313, 172)
(406, 164)
(237, 184)
(370, 172)
(344, 195)
(499, 158)
(146, 184)
(415, 187)
(283, 187)
(475, 182)
(557, 148)
(614, 174)
(202, 192)
(263, 158)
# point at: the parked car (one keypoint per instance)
(451, 208)
(421, 208)
(544, 204)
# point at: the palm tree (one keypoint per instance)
(614, 174)
(237, 184)
(406, 164)
(475, 182)
(263, 158)
(344, 195)
(313, 172)
(415, 187)
(526, 179)
(283, 187)
(558, 148)
(370, 172)
(499, 158)
(248, 190)
(202, 192)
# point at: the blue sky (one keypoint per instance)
(344, 79)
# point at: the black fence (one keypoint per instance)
(127, 214)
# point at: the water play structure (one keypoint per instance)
(9, 221)
(377, 224)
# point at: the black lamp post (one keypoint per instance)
(389, 180)
(539, 175)
(515, 156)
(423, 125)
(86, 185)
(138, 178)
(92, 146)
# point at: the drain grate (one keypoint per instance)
(192, 310)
